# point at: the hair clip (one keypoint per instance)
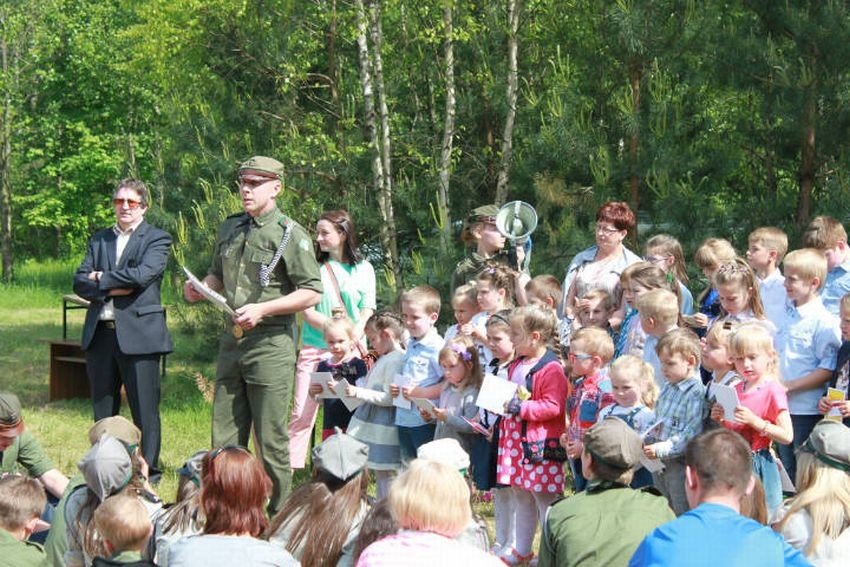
(732, 268)
(461, 352)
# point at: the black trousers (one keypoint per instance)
(108, 368)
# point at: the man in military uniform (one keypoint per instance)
(20, 452)
(265, 266)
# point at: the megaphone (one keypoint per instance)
(516, 220)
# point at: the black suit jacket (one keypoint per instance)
(139, 317)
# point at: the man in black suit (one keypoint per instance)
(125, 334)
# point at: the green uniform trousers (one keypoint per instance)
(253, 387)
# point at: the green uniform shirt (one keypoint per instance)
(16, 553)
(26, 453)
(468, 268)
(245, 243)
(57, 538)
(601, 526)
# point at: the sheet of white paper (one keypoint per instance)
(351, 403)
(401, 381)
(322, 378)
(727, 397)
(214, 297)
(424, 404)
(495, 392)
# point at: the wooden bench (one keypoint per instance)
(68, 378)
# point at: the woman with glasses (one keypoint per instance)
(234, 492)
(600, 265)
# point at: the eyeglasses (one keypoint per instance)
(605, 229)
(656, 259)
(129, 203)
(253, 182)
(579, 356)
(226, 448)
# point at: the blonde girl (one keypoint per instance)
(817, 520)
(762, 414)
(738, 292)
(462, 378)
(373, 422)
(343, 363)
(530, 457)
(718, 360)
(635, 392)
(636, 280)
(664, 251)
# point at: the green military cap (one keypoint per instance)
(10, 411)
(264, 165)
(830, 443)
(614, 443)
(484, 213)
(117, 426)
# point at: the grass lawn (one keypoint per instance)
(31, 316)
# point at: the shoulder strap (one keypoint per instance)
(335, 284)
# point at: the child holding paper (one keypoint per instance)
(485, 451)
(717, 359)
(762, 414)
(530, 457)
(835, 405)
(373, 422)
(462, 380)
(343, 365)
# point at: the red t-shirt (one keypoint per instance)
(767, 401)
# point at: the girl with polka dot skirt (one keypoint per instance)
(530, 457)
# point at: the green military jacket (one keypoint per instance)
(16, 553)
(601, 526)
(26, 453)
(245, 245)
(468, 268)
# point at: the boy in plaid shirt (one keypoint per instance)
(681, 409)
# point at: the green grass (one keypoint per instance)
(31, 317)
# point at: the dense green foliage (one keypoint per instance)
(711, 117)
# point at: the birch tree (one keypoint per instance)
(371, 78)
(511, 96)
(445, 167)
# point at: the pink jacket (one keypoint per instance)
(543, 415)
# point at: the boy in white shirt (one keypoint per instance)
(767, 248)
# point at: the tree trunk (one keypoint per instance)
(6, 254)
(334, 74)
(635, 74)
(445, 166)
(384, 138)
(808, 157)
(511, 96)
(369, 119)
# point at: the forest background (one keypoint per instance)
(709, 118)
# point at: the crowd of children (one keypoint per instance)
(754, 353)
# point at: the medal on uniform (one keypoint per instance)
(237, 331)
